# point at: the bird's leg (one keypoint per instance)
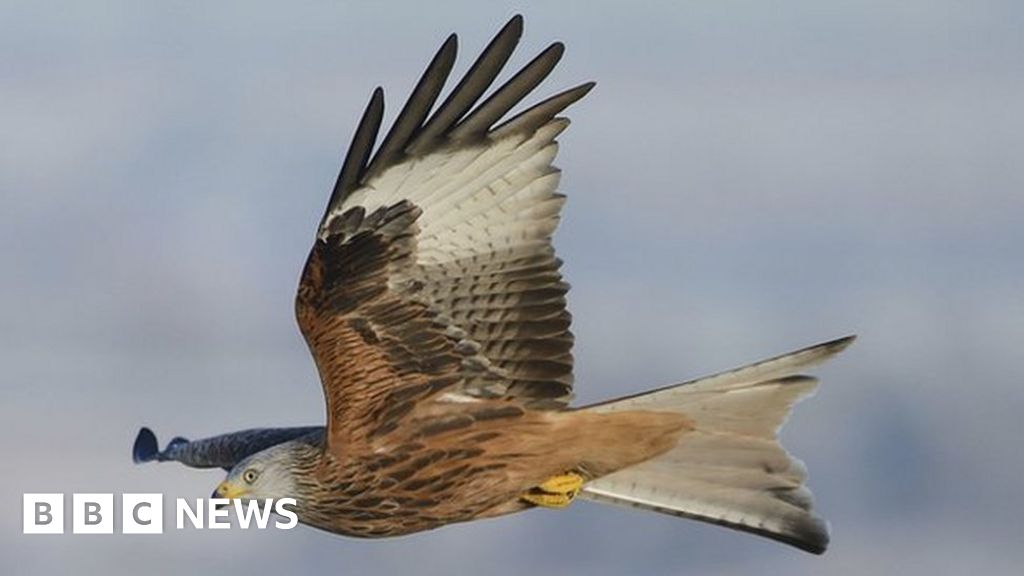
(555, 492)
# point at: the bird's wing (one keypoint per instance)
(432, 274)
(221, 451)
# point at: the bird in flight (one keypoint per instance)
(435, 312)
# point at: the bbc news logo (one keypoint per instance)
(144, 513)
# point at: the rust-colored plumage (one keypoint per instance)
(399, 455)
(435, 311)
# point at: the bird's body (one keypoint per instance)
(434, 308)
(478, 460)
(435, 473)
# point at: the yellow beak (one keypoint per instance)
(227, 490)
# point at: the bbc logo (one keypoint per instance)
(93, 514)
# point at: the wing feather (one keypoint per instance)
(510, 94)
(476, 81)
(358, 152)
(432, 275)
(541, 113)
(415, 111)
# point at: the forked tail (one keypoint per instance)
(730, 469)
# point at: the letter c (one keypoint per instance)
(137, 518)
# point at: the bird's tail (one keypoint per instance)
(729, 469)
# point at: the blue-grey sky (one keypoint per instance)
(746, 179)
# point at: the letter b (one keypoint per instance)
(43, 514)
(92, 513)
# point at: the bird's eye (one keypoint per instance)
(250, 475)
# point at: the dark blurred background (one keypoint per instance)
(746, 179)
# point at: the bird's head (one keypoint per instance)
(266, 474)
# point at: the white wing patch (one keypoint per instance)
(477, 200)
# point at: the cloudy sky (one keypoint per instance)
(746, 179)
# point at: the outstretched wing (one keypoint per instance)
(221, 451)
(433, 275)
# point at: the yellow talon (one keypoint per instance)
(556, 492)
(548, 500)
(568, 482)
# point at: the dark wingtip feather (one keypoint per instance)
(417, 107)
(473, 84)
(542, 112)
(480, 121)
(514, 27)
(145, 448)
(359, 151)
(416, 131)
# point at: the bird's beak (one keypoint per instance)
(227, 490)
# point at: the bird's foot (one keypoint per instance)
(555, 492)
